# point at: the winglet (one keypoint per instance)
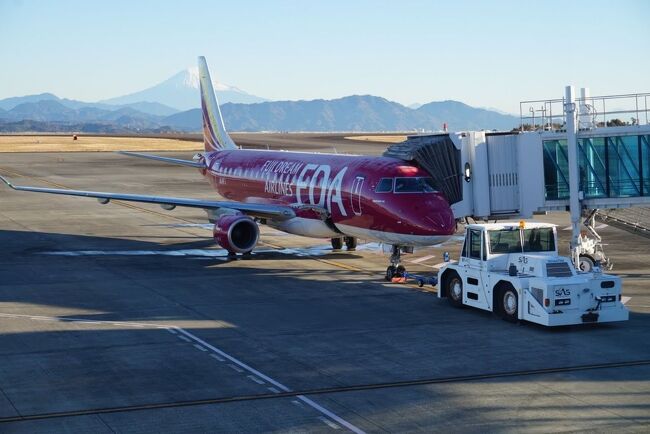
(6, 181)
(215, 137)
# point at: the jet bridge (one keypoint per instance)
(578, 158)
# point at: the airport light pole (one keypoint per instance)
(574, 181)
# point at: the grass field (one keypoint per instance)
(65, 143)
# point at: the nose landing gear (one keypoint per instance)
(395, 269)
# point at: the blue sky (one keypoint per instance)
(484, 53)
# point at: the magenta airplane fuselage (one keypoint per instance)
(373, 198)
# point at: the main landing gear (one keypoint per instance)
(350, 243)
(395, 269)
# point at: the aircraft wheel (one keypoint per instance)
(337, 243)
(390, 273)
(351, 243)
(455, 290)
(586, 264)
(399, 271)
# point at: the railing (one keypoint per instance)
(593, 112)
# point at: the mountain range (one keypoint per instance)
(172, 106)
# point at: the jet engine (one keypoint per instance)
(236, 233)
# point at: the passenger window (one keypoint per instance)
(385, 185)
(475, 244)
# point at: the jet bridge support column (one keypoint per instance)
(574, 181)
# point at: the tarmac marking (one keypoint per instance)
(328, 422)
(235, 367)
(278, 386)
(422, 259)
(216, 356)
(170, 330)
(255, 379)
(199, 347)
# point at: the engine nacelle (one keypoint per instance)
(236, 233)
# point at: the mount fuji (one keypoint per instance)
(181, 92)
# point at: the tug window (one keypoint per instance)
(385, 185)
(475, 244)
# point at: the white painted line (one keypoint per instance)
(170, 330)
(216, 356)
(39, 318)
(235, 367)
(237, 364)
(255, 379)
(270, 380)
(422, 259)
(199, 347)
(331, 415)
(329, 423)
(297, 403)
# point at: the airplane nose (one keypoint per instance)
(440, 217)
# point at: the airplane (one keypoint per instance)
(341, 197)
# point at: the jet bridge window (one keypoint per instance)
(414, 185)
(385, 185)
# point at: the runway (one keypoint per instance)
(127, 318)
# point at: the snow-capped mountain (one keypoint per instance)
(181, 91)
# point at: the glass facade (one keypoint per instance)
(609, 167)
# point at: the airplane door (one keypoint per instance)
(355, 195)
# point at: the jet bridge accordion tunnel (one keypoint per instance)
(438, 155)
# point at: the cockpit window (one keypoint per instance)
(385, 185)
(414, 185)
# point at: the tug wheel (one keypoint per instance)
(509, 303)
(455, 290)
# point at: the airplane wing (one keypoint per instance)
(277, 212)
(190, 163)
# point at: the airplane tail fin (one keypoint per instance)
(215, 137)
